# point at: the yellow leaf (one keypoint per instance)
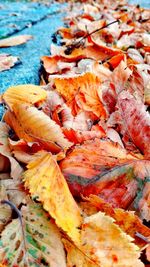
(75, 257)
(105, 243)
(46, 182)
(27, 93)
(39, 126)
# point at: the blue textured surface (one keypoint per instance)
(29, 53)
(142, 3)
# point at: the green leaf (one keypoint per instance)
(32, 241)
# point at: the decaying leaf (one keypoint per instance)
(33, 240)
(128, 221)
(28, 93)
(39, 126)
(16, 40)
(16, 169)
(104, 244)
(136, 117)
(85, 89)
(5, 210)
(45, 181)
(110, 244)
(7, 61)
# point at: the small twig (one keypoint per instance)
(74, 45)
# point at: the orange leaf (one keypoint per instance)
(50, 63)
(86, 85)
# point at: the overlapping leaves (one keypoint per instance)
(86, 131)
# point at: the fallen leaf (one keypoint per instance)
(15, 40)
(16, 169)
(7, 61)
(34, 240)
(45, 181)
(128, 221)
(39, 127)
(85, 90)
(27, 93)
(135, 116)
(5, 210)
(101, 238)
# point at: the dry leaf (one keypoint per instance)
(84, 89)
(34, 241)
(5, 210)
(15, 40)
(39, 127)
(111, 246)
(16, 169)
(104, 244)
(45, 181)
(7, 61)
(19, 94)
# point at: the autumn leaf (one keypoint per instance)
(98, 231)
(76, 257)
(27, 93)
(45, 181)
(105, 155)
(147, 94)
(33, 240)
(39, 127)
(16, 169)
(7, 61)
(103, 244)
(85, 89)
(5, 210)
(128, 221)
(135, 116)
(15, 40)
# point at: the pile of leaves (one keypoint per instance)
(74, 151)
